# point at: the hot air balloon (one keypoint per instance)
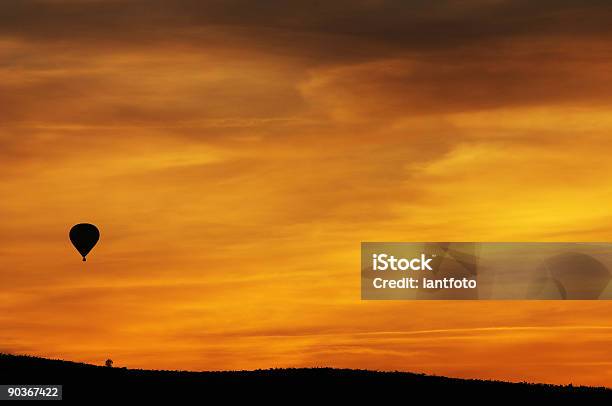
(84, 237)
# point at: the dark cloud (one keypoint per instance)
(524, 74)
(398, 58)
(338, 29)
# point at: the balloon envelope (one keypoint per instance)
(84, 237)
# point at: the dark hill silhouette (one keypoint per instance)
(85, 381)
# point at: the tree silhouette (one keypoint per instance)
(109, 363)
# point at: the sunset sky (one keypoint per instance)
(234, 154)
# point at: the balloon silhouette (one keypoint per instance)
(84, 237)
